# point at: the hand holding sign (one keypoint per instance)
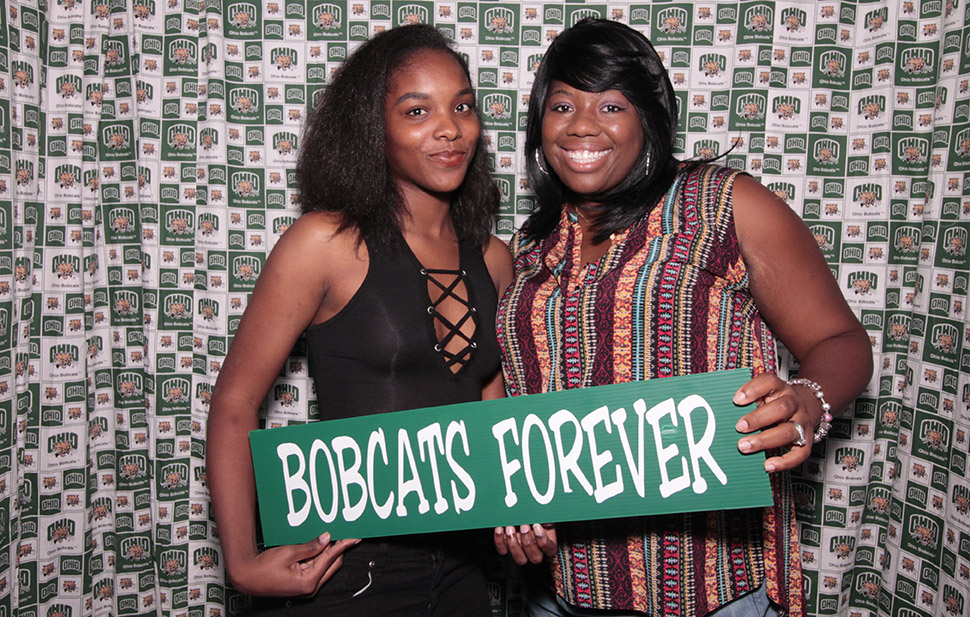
(779, 405)
(526, 543)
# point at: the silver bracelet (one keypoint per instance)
(825, 423)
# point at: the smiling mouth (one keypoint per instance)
(451, 158)
(586, 156)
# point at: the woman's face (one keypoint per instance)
(591, 139)
(431, 126)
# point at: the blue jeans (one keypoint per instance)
(543, 603)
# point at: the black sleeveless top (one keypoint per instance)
(379, 353)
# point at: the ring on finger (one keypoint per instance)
(801, 433)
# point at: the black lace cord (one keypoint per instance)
(462, 356)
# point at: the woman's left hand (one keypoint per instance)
(779, 405)
(526, 543)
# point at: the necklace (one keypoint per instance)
(579, 213)
(589, 224)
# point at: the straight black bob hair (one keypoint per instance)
(342, 166)
(596, 55)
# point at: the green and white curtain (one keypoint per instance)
(146, 157)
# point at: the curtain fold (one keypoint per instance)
(146, 170)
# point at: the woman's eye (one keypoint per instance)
(417, 111)
(560, 107)
(463, 107)
(611, 108)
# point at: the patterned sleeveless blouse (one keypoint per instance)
(670, 297)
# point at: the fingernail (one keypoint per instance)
(744, 445)
(324, 538)
(740, 397)
(358, 541)
(538, 530)
(770, 467)
(741, 426)
(510, 531)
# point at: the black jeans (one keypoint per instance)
(437, 575)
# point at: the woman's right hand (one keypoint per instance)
(526, 543)
(295, 570)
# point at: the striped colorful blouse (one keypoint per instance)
(670, 297)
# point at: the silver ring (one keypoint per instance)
(801, 434)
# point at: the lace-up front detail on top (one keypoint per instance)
(455, 338)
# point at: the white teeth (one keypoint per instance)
(586, 156)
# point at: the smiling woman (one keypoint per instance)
(636, 266)
(393, 277)
(431, 113)
(593, 139)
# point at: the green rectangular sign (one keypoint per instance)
(642, 448)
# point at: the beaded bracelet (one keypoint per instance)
(825, 423)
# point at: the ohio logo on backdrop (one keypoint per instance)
(245, 188)
(116, 141)
(68, 88)
(174, 565)
(792, 24)
(827, 157)
(176, 311)
(671, 26)
(831, 68)
(175, 394)
(180, 141)
(63, 359)
(912, 155)
(65, 269)
(182, 56)
(943, 346)
(711, 70)
(285, 63)
(867, 195)
(327, 22)
(871, 111)
(242, 20)
(244, 270)
(917, 66)
(498, 109)
(862, 284)
(209, 311)
(412, 13)
(757, 24)
(244, 105)
(23, 77)
(498, 24)
(786, 112)
(67, 184)
(115, 55)
(922, 535)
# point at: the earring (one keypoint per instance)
(647, 165)
(539, 157)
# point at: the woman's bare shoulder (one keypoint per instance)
(316, 232)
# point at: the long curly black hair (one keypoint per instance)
(342, 167)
